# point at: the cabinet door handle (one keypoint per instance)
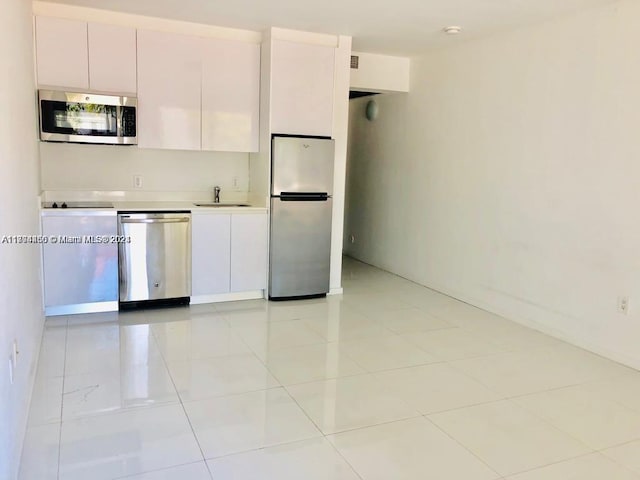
(155, 220)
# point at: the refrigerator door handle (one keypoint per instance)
(304, 197)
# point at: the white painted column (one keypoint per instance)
(340, 133)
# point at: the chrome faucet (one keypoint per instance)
(216, 194)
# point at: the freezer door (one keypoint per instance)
(300, 247)
(302, 165)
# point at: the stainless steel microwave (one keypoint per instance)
(87, 118)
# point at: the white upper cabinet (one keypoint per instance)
(230, 95)
(169, 85)
(62, 58)
(112, 58)
(197, 93)
(194, 93)
(302, 88)
(77, 55)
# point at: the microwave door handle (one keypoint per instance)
(119, 121)
(110, 121)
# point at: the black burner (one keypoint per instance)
(78, 205)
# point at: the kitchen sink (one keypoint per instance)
(220, 205)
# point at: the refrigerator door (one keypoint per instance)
(300, 247)
(302, 165)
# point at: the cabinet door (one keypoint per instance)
(62, 58)
(169, 83)
(230, 95)
(302, 88)
(249, 233)
(75, 270)
(210, 253)
(112, 58)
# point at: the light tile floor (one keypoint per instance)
(389, 381)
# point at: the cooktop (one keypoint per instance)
(77, 205)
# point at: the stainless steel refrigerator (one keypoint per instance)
(301, 205)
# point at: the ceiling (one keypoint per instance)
(400, 27)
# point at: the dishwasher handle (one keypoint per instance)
(155, 220)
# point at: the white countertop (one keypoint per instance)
(155, 206)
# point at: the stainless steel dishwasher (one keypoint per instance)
(154, 258)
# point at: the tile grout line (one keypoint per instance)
(304, 412)
(184, 410)
(615, 461)
(64, 376)
(253, 352)
(503, 395)
(366, 372)
(553, 463)
(335, 449)
(549, 423)
(463, 446)
(224, 314)
(286, 390)
(617, 445)
(538, 417)
(156, 471)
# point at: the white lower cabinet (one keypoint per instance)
(228, 252)
(249, 233)
(210, 253)
(80, 267)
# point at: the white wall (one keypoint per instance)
(340, 135)
(510, 177)
(260, 162)
(21, 316)
(77, 167)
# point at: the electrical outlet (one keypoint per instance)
(137, 181)
(623, 305)
(14, 354)
(352, 238)
(234, 183)
(10, 371)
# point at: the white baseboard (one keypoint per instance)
(98, 307)
(227, 297)
(546, 328)
(95, 307)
